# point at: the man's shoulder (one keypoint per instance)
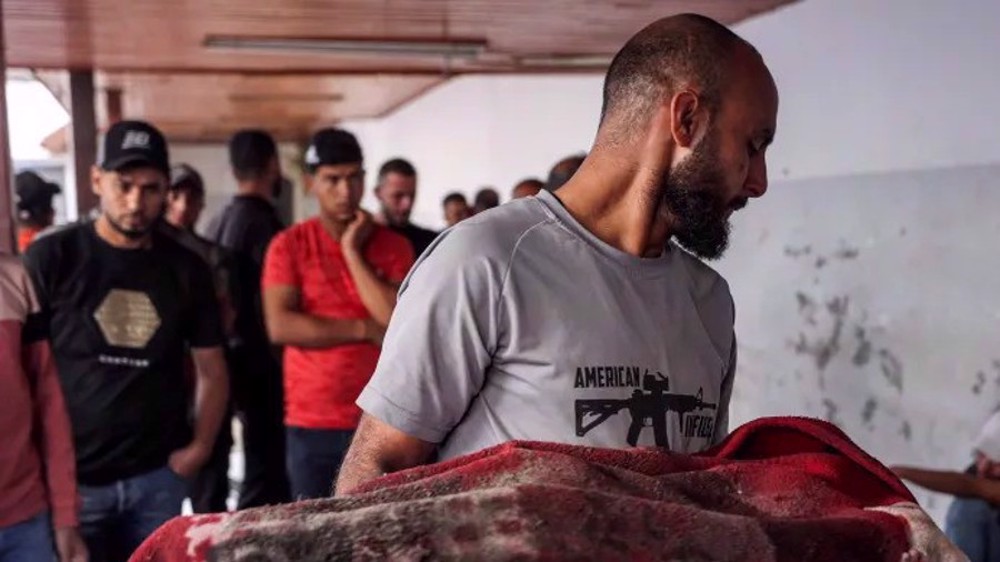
(707, 286)
(178, 253)
(297, 238)
(423, 232)
(51, 239)
(705, 279)
(242, 212)
(300, 231)
(12, 271)
(389, 239)
(497, 233)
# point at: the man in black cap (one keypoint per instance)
(124, 305)
(185, 202)
(396, 191)
(34, 206)
(329, 288)
(245, 227)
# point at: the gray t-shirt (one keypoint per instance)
(520, 324)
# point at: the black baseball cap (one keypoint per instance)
(183, 174)
(131, 143)
(331, 147)
(33, 191)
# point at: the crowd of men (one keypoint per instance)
(159, 336)
(351, 345)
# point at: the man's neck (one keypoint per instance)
(113, 237)
(618, 200)
(253, 189)
(383, 219)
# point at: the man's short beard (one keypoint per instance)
(130, 234)
(692, 195)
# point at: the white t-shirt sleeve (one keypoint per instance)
(442, 336)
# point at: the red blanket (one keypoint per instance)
(788, 489)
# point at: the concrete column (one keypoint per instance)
(7, 240)
(83, 141)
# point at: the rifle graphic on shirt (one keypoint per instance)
(651, 404)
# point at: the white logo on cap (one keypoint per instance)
(312, 158)
(135, 139)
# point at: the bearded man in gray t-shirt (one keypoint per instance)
(582, 316)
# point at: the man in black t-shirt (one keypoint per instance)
(396, 191)
(125, 304)
(245, 228)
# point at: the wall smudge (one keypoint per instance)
(793, 252)
(868, 411)
(977, 388)
(864, 352)
(892, 369)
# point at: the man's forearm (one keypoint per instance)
(378, 295)
(379, 449)
(307, 330)
(357, 469)
(945, 482)
(57, 440)
(211, 395)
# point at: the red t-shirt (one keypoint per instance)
(321, 385)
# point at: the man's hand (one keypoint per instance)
(70, 545)
(188, 461)
(358, 231)
(927, 542)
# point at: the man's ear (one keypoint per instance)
(95, 180)
(689, 118)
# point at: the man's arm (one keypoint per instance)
(57, 453)
(378, 449)
(288, 325)
(211, 396)
(377, 294)
(953, 483)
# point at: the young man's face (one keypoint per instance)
(184, 207)
(131, 199)
(338, 188)
(396, 193)
(456, 212)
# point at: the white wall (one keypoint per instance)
(876, 86)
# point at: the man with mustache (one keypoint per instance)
(329, 288)
(124, 303)
(583, 316)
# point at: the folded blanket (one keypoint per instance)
(783, 489)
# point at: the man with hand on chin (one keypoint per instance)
(329, 289)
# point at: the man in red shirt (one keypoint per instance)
(329, 289)
(38, 495)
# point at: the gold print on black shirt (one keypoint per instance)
(127, 319)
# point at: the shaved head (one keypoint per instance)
(665, 56)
